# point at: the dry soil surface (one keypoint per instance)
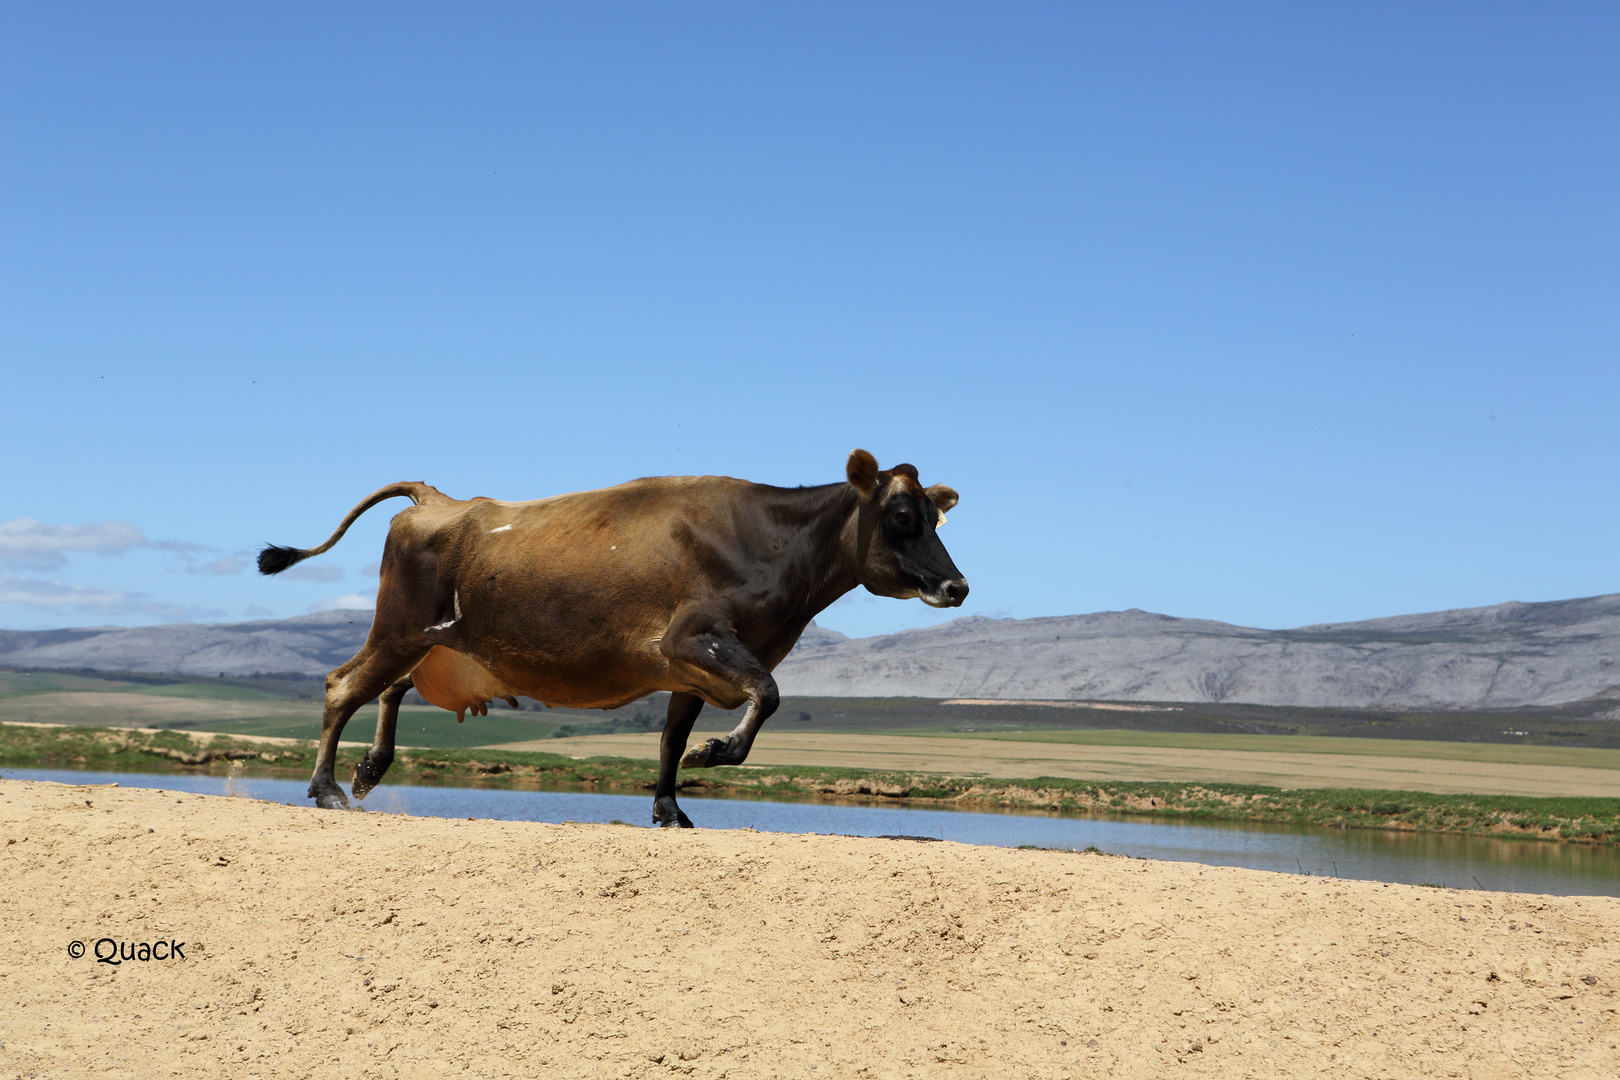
(347, 944)
(1078, 761)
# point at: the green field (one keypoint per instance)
(276, 708)
(1579, 735)
(1507, 753)
(417, 727)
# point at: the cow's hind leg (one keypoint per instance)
(368, 771)
(360, 680)
(683, 710)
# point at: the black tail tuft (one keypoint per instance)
(274, 559)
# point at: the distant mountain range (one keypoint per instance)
(306, 645)
(1503, 656)
(1507, 655)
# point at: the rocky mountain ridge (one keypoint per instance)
(1502, 656)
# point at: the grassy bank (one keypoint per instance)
(1581, 820)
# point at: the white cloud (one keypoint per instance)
(373, 570)
(36, 545)
(314, 572)
(259, 611)
(348, 601)
(27, 542)
(181, 547)
(55, 596)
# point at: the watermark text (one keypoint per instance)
(111, 951)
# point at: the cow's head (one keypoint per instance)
(897, 550)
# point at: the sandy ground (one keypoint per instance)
(1012, 760)
(346, 944)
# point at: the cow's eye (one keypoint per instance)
(902, 520)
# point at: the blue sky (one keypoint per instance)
(1275, 314)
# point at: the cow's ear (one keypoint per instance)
(862, 471)
(942, 497)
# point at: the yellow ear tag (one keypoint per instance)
(941, 520)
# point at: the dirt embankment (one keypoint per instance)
(323, 943)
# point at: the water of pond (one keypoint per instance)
(1373, 855)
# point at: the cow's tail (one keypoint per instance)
(274, 558)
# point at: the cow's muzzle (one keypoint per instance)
(947, 594)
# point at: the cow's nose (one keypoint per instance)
(956, 592)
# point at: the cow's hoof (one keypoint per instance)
(714, 752)
(332, 800)
(702, 755)
(666, 815)
(366, 778)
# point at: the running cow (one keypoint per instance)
(698, 585)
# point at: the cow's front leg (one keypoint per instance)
(683, 710)
(718, 653)
(732, 749)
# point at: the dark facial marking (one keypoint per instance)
(902, 519)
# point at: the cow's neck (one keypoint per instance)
(821, 566)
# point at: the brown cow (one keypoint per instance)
(698, 585)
